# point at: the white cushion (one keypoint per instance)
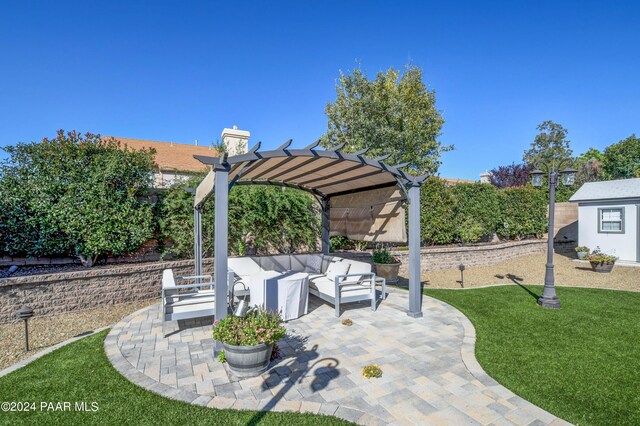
(243, 266)
(328, 287)
(358, 268)
(337, 267)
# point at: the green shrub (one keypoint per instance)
(476, 207)
(276, 219)
(470, 231)
(382, 256)
(338, 243)
(258, 326)
(523, 212)
(437, 212)
(75, 195)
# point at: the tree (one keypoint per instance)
(622, 159)
(550, 144)
(75, 195)
(589, 167)
(510, 176)
(392, 114)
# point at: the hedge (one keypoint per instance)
(472, 212)
(266, 219)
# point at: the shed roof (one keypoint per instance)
(171, 155)
(608, 190)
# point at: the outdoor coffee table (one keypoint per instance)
(284, 292)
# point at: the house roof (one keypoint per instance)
(608, 190)
(171, 156)
(455, 181)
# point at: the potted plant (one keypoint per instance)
(387, 266)
(582, 251)
(601, 262)
(248, 341)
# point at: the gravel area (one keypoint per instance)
(531, 270)
(47, 331)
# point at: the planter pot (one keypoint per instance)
(582, 254)
(602, 266)
(248, 361)
(389, 271)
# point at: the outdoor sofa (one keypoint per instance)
(333, 279)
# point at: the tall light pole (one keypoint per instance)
(549, 299)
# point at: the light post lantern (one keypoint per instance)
(549, 299)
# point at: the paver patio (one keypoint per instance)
(430, 375)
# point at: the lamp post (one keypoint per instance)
(549, 299)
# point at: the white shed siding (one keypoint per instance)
(623, 245)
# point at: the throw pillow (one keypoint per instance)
(337, 267)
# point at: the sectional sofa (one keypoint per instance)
(333, 279)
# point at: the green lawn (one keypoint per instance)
(81, 372)
(581, 363)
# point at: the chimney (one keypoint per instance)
(484, 177)
(235, 141)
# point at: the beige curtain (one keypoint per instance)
(377, 215)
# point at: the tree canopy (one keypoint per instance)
(75, 195)
(510, 176)
(622, 159)
(550, 144)
(394, 113)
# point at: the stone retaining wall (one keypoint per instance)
(438, 258)
(103, 286)
(57, 293)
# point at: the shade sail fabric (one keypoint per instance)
(377, 215)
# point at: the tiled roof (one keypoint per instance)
(455, 181)
(171, 156)
(608, 190)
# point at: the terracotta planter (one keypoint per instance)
(248, 361)
(582, 254)
(388, 271)
(602, 266)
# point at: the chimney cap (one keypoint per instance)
(235, 132)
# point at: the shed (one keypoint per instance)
(609, 217)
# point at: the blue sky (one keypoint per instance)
(180, 71)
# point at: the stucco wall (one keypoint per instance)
(565, 225)
(625, 245)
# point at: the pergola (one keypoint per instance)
(325, 174)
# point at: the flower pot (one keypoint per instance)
(602, 266)
(388, 271)
(248, 361)
(582, 254)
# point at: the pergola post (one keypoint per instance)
(325, 225)
(415, 290)
(221, 232)
(197, 239)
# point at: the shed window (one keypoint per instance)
(611, 220)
